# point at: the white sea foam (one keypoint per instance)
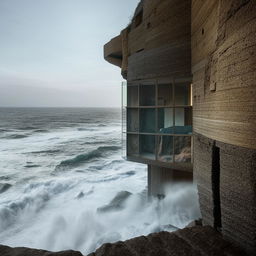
(57, 210)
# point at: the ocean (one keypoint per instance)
(61, 168)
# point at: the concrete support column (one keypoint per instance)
(159, 178)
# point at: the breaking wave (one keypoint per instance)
(16, 136)
(33, 199)
(81, 159)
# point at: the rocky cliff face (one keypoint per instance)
(195, 241)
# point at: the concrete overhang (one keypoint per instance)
(113, 51)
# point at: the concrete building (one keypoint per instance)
(179, 55)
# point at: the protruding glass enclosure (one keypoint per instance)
(157, 121)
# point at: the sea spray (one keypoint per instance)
(57, 210)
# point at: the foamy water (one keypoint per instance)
(58, 166)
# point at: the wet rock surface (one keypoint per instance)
(4, 187)
(193, 241)
(117, 203)
(21, 251)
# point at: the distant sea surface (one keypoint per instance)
(59, 166)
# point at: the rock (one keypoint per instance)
(21, 251)
(193, 241)
(195, 223)
(4, 187)
(80, 195)
(117, 203)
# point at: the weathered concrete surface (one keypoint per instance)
(194, 241)
(156, 43)
(159, 178)
(238, 194)
(223, 67)
(237, 189)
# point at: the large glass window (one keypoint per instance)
(165, 95)
(165, 149)
(159, 121)
(147, 95)
(183, 120)
(133, 120)
(132, 144)
(132, 96)
(147, 120)
(147, 146)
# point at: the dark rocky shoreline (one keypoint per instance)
(192, 241)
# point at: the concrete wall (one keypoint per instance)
(224, 70)
(227, 194)
(160, 45)
(224, 114)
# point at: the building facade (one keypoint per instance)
(190, 66)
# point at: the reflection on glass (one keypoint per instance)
(147, 120)
(165, 95)
(165, 120)
(183, 120)
(132, 144)
(124, 145)
(147, 95)
(124, 94)
(133, 96)
(124, 119)
(132, 120)
(182, 149)
(147, 146)
(183, 94)
(165, 149)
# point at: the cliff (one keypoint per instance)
(194, 241)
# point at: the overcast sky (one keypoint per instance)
(51, 52)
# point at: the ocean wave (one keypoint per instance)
(27, 128)
(85, 129)
(4, 187)
(33, 199)
(40, 131)
(50, 151)
(16, 136)
(4, 130)
(11, 212)
(32, 166)
(83, 158)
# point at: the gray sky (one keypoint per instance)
(51, 52)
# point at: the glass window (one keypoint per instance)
(182, 94)
(147, 95)
(132, 144)
(182, 149)
(147, 120)
(124, 94)
(147, 146)
(132, 120)
(158, 121)
(132, 96)
(165, 148)
(165, 95)
(165, 120)
(124, 144)
(183, 120)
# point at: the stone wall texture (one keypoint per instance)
(160, 45)
(224, 115)
(237, 189)
(224, 70)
